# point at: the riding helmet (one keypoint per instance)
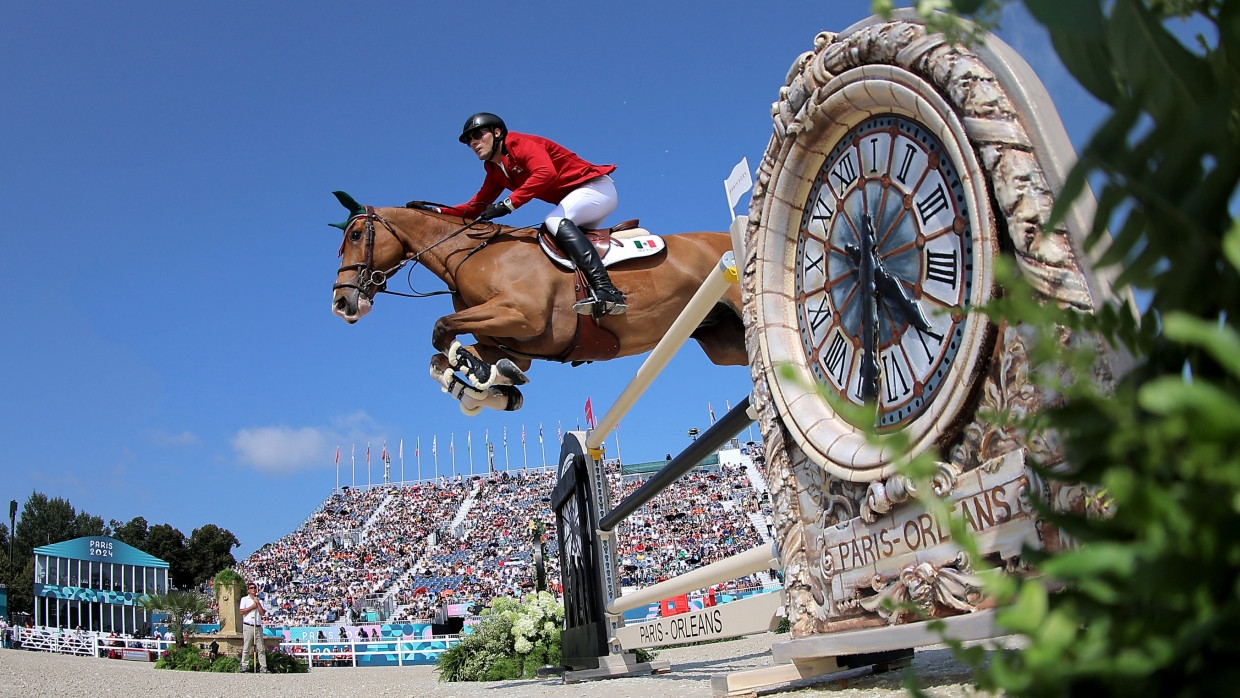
(482, 120)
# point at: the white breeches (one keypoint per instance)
(587, 205)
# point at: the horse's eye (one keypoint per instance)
(355, 236)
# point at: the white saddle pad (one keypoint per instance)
(625, 245)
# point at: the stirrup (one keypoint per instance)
(598, 308)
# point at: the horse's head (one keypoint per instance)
(369, 254)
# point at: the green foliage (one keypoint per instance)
(1152, 595)
(281, 662)
(181, 606)
(187, 658)
(225, 578)
(512, 641)
(191, 658)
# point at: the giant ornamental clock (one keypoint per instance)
(880, 240)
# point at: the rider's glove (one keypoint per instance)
(503, 208)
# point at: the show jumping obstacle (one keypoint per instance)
(595, 641)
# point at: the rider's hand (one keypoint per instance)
(503, 208)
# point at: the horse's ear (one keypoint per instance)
(355, 209)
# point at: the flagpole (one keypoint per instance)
(505, 449)
(452, 450)
(402, 461)
(524, 453)
(337, 468)
(469, 446)
(353, 457)
(435, 455)
(369, 482)
(542, 446)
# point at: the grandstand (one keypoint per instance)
(408, 554)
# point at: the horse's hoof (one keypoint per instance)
(509, 372)
(512, 395)
(469, 411)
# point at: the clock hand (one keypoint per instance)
(865, 259)
(888, 286)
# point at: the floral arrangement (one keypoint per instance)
(514, 639)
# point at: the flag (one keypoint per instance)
(353, 454)
(383, 456)
(452, 443)
(417, 448)
(401, 453)
(712, 412)
(469, 440)
(559, 432)
(540, 437)
(486, 436)
(505, 437)
(337, 455)
(367, 453)
(522, 434)
(435, 445)
(738, 183)
(589, 414)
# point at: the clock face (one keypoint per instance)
(874, 247)
(888, 179)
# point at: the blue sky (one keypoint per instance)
(169, 345)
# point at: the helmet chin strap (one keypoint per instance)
(496, 144)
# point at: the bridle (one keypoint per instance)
(370, 281)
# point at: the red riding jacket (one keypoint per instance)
(533, 168)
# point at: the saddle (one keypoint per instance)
(619, 243)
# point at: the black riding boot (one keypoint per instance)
(606, 299)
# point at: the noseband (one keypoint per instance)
(369, 280)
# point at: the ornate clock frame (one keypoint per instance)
(849, 531)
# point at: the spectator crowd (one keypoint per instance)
(403, 553)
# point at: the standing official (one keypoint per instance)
(251, 611)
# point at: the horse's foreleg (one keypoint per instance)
(500, 397)
(480, 372)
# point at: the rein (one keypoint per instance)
(371, 281)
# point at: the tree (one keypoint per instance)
(43, 521)
(209, 550)
(168, 544)
(182, 608)
(133, 533)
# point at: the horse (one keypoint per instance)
(517, 303)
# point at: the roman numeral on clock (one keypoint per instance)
(934, 202)
(909, 152)
(943, 267)
(819, 315)
(894, 380)
(822, 211)
(845, 172)
(835, 358)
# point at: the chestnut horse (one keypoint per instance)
(518, 304)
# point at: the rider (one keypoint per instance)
(533, 167)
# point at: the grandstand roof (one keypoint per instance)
(656, 466)
(100, 549)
